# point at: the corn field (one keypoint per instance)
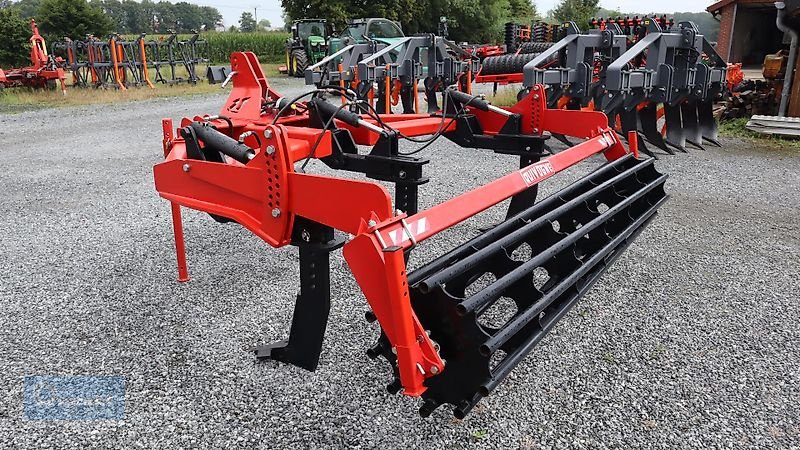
(270, 47)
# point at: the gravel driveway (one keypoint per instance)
(691, 340)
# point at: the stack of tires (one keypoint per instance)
(534, 47)
(506, 64)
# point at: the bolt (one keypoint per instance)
(268, 134)
(402, 174)
(434, 370)
(372, 223)
(187, 167)
(394, 350)
(536, 96)
(305, 236)
(276, 213)
(270, 149)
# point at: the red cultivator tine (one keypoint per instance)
(630, 124)
(447, 340)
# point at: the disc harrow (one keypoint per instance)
(450, 336)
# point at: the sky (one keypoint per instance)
(271, 9)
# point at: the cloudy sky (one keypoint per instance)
(271, 9)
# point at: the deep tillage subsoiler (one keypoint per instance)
(391, 73)
(441, 329)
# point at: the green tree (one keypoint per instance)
(263, 25)
(138, 16)
(477, 21)
(336, 11)
(578, 11)
(523, 11)
(247, 24)
(72, 18)
(115, 12)
(15, 32)
(210, 18)
(166, 17)
(27, 8)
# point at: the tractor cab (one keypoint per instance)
(359, 31)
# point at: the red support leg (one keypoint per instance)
(180, 247)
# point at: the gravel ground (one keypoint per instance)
(690, 341)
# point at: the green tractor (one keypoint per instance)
(359, 31)
(306, 46)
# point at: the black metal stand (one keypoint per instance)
(313, 304)
(526, 198)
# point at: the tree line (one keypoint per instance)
(107, 16)
(468, 20)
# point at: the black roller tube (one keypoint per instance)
(513, 359)
(222, 143)
(482, 240)
(513, 326)
(459, 267)
(495, 290)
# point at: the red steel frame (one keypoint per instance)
(267, 194)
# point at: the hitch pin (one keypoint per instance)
(228, 79)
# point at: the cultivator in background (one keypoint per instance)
(391, 73)
(672, 74)
(44, 71)
(122, 63)
(453, 329)
(632, 26)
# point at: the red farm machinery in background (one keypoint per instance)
(440, 330)
(43, 73)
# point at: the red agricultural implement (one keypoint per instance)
(454, 328)
(44, 71)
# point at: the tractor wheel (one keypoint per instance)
(300, 60)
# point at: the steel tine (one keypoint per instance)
(675, 136)
(691, 124)
(708, 124)
(648, 125)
